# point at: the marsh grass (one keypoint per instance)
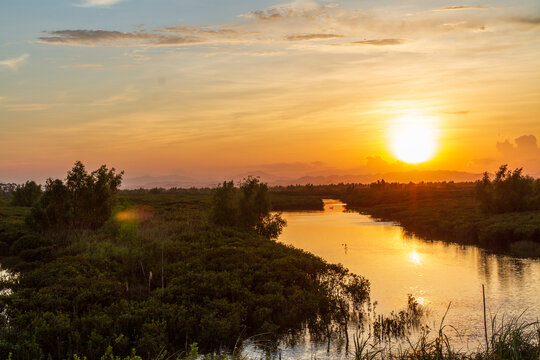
(512, 339)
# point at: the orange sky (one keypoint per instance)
(311, 86)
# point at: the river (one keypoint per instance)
(436, 273)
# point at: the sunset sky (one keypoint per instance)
(164, 87)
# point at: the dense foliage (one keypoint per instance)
(26, 194)
(158, 276)
(247, 206)
(84, 200)
(509, 191)
(451, 212)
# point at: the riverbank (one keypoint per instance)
(449, 212)
(444, 211)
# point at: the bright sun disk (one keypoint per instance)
(413, 139)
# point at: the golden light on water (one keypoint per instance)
(415, 258)
(413, 139)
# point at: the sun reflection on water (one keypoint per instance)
(415, 258)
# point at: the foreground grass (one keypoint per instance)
(509, 340)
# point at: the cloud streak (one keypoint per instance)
(105, 37)
(461, 7)
(15, 63)
(379, 42)
(98, 3)
(292, 10)
(303, 22)
(303, 37)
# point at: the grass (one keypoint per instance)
(513, 339)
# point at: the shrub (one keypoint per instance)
(509, 191)
(83, 201)
(25, 242)
(247, 206)
(26, 194)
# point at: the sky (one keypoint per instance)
(213, 88)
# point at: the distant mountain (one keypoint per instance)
(183, 181)
(401, 176)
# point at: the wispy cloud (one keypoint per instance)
(128, 95)
(82, 66)
(26, 107)
(378, 42)
(295, 9)
(461, 7)
(15, 63)
(98, 3)
(105, 37)
(304, 21)
(534, 21)
(302, 37)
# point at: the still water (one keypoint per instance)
(436, 273)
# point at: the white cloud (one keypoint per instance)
(15, 63)
(128, 95)
(103, 3)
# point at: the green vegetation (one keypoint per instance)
(247, 206)
(296, 197)
(509, 340)
(156, 277)
(510, 191)
(450, 212)
(26, 194)
(109, 274)
(500, 214)
(84, 201)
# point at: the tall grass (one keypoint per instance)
(512, 339)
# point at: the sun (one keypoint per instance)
(413, 139)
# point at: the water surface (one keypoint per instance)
(437, 273)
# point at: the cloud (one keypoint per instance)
(128, 95)
(302, 37)
(461, 7)
(535, 21)
(82, 66)
(203, 31)
(306, 20)
(296, 9)
(105, 37)
(27, 107)
(378, 42)
(15, 63)
(524, 150)
(98, 3)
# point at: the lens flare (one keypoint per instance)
(135, 214)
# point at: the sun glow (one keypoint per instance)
(413, 139)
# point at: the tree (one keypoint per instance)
(26, 194)
(247, 206)
(225, 205)
(509, 191)
(83, 201)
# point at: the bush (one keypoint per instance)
(25, 242)
(247, 206)
(83, 201)
(26, 194)
(509, 191)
